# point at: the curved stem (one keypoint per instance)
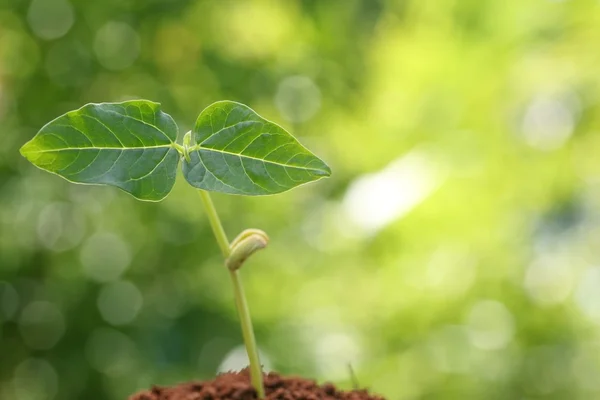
(240, 298)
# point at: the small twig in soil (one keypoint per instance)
(353, 378)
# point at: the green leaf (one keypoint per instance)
(129, 145)
(239, 152)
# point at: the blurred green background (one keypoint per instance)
(453, 254)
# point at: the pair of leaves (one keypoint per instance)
(132, 145)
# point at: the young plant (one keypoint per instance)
(231, 149)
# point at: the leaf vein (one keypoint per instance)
(104, 125)
(87, 166)
(214, 176)
(253, 181)
(141, 121)
(153, 169)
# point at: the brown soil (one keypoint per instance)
(236, 386)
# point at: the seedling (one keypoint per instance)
(133, 145)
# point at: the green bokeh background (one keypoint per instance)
(453, 254)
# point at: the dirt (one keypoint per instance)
(236, 386)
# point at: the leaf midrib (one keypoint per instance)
(196, 148)
(101, 148)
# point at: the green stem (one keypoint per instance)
(215, 223)
(240, 298)
(248, 334)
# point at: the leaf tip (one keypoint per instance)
(25, 150)
(322, 170)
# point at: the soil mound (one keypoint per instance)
(237, 386)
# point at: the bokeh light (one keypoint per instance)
(42, 325)
(60, 226)
(298, 98)
(490, 325)
(549, 280)
(116, 45)
(50, 19)
(548, 123)
(105, 257)
(35, 379)
(119, 302)
(375, 200)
